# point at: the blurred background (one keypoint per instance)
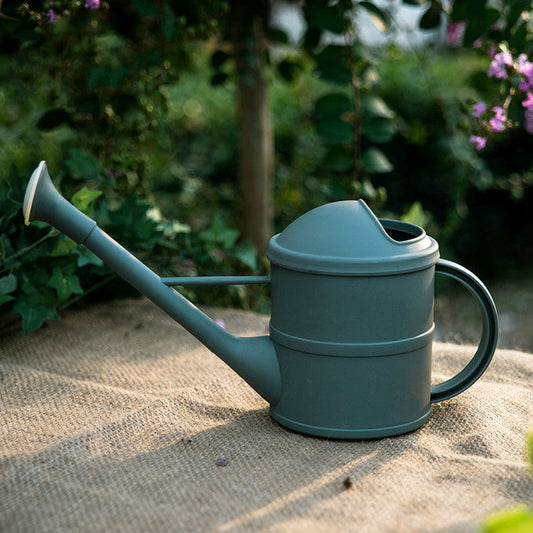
(194, 131)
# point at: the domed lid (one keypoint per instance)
(346, 238)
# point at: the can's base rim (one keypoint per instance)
(350, 433)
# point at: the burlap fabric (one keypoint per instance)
(114, 419)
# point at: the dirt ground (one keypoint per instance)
(458, 318)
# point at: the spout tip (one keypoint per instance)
(30, 191)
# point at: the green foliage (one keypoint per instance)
(119, 104)
(517, 519)
(349, 117)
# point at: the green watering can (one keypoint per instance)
(349, 350)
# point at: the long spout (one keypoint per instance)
(253, 358)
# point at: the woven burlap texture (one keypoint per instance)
(114, 419)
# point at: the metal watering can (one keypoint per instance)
(349, 351)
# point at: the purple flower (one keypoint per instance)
(524, 66)
(478, 109)
(496, 125)
(51, 16)
(528, 102)
(526, 84)
(221, 461)
(92, 4)
(498, 65)
(478, 141)
(455, 31)
(528, 126)
(499, 113)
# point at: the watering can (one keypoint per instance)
(349, 350)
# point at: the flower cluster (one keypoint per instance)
(517, 73)
(57, 8)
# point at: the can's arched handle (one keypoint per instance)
(489, 337)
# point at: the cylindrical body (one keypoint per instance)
(352, 323)
(354, 352)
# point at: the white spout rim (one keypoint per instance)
(30, 191)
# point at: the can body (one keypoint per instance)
(354, 351)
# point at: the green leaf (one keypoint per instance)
(34, 313)
(84, 198)
(376, 107)
(467, 9)
(219, 78)
(53, 118)
(430, 20)
(375, 161)
(81, 165)
(517, 519)
(218, 58)
(8, 283)
(338, 158)
(379, 17)
(416, 215)
(480, 25)
(332, 105)
(332, 65)
(378, 129)
(289, 69)
(247, 255)
(220, 233)
(63, 246)
(414, 2)
(335, 131)
(4, 298)
(64, 284)
(86, 257)
(277, 35)
(327, 17)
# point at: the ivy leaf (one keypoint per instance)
(338, 158)
(219, 233)
(467, 9)
(332, 65)
(218, 58)
(379, 17)
(335, 131)
(7, 284)
(83, 200)
(81, 165)
(64, 284)
(327, 17)
(34, 312)
(247, 255)
(53, 119)
(376, 107)
(375, 161)
(480, 25)
(332, 105)
(86, 257)
(378, 129)
(430, 19)
(288, 69)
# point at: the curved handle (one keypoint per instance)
(489, 337)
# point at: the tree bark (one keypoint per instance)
(256, 144)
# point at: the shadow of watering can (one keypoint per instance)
(351, 328)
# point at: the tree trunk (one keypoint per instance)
(256, 145)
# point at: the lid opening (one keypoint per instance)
(401, 231)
